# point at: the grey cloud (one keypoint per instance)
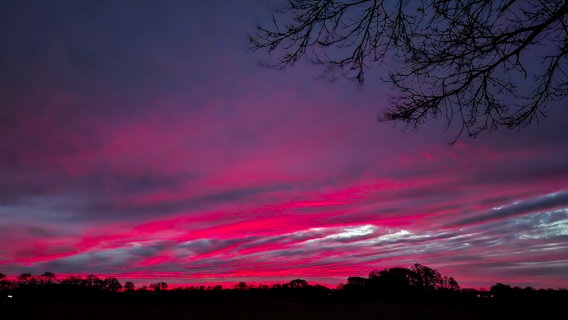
(105, 207)
(150, 250)
(549, 268)
(203, 246)
(289, 238)
(103, 261)
(546, 202)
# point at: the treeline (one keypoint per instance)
(416, 283)
(417, 278)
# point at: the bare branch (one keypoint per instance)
(470, 58)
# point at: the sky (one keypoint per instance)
(143, 140)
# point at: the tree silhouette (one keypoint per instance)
(143, 289)
(4, 283)
(452, 284)
(159, 286)
(357, 282)
(394, 280)
(428, 278)
(241, 285)
(298, 284)
(484, 63)
(26, 279)
(72, 282)
(112, 284)
(129, 286)
(93, 282)
(74, 294)
(47, 278)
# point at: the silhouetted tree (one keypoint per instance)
(4, 283)
(402, 284)
(143, 289)
(502, 291)
(93, 282)
(298, 284)
(112, 284)
(394, 280)
(24, 277)
(357, 282)
(72, 282)
(26, 280)
(129, 286)
(428, 278)
(452, 284)
(241, 285)
(159, 286)
(484, 63)
(48, 278)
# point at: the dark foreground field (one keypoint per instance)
(295, 309)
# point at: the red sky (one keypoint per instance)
(144, 141)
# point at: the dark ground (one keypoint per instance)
(295, 309)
